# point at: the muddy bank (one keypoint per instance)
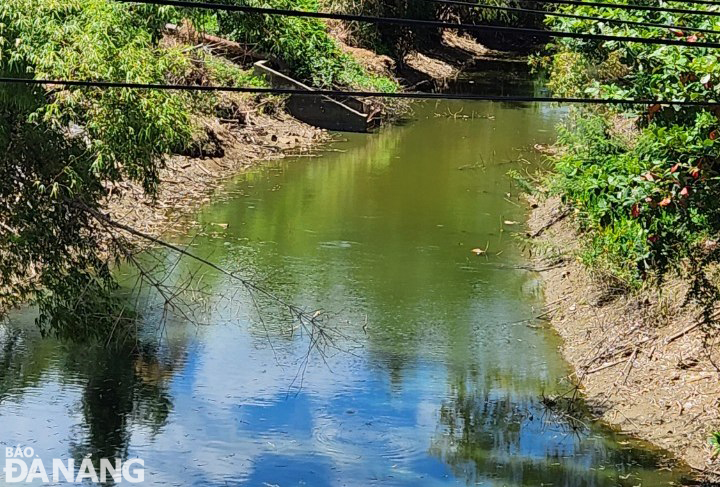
(430, 69)
(189, 182)
(642, 361)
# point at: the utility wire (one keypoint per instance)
(621, 6)
(358, 94)
(422, 23)
(698, 2)
(551, 13)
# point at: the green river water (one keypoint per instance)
(434, 380)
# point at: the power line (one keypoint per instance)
(620, 6)
(573, 16)
(698, 2)
(358, 94)
(423, 23)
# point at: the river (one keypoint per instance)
(429, 375)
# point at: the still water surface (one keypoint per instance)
(433, 382)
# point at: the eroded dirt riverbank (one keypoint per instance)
(643, 363)
(188, 183)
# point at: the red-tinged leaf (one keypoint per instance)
(654, 108)
(649, 176)
(695, 172)
(713, 135)
(692, 38)
(677, 32)
(685, 192)
(675, 168)
(635, 211)
(653, 238)
(665, 201)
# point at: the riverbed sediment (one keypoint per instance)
(643, 361)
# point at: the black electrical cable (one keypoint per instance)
(358, 94)
(697, 2)
(575, 16)
(620, 6)
(422, 23)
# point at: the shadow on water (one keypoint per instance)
(435, 382)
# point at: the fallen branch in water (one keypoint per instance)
(311, 322)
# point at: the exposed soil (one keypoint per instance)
(432, 68)
(370, 60)
(641, 359)
(429, 69)
(187, 183)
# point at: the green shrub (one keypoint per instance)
(653, 205)
(715, 442)
(304, 45)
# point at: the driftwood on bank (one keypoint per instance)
(690, 328)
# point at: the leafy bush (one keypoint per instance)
(303, 44)
(715, 442)
(649, 206)
(652, 205)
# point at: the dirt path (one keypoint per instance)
(643, 364)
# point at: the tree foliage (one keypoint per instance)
(650, 201)
(303, 44)
(62, 148)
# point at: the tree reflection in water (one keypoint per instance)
(486, 434)
(122, 387)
